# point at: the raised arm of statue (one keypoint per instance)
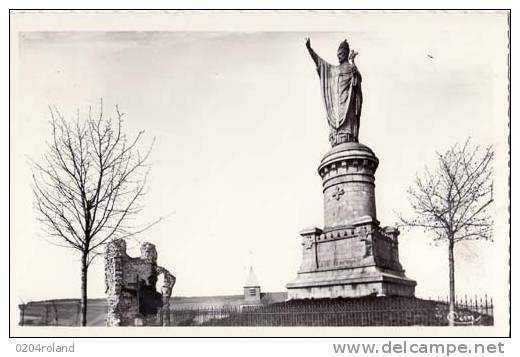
(317, 59)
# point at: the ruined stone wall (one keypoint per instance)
(130, 286)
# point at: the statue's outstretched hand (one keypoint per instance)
(307, 42)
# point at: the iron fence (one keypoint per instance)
(377, 311)
(368, 311)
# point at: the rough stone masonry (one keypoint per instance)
(132, 297)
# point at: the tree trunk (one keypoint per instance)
(84, 271)
(452, 282)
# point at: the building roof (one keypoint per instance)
(251, 279)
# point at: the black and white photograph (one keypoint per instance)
(260, 173)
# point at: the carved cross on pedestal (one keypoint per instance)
(338, 193)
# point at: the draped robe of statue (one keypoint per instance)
(341, 93)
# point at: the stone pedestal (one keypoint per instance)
(348, 172)
(352, 255)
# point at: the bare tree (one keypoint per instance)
(88, 187)
(453, 201)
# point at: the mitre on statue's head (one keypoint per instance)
(344, 46)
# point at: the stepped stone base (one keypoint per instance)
(355, 282)
(351, 261)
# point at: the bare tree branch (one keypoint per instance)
(452, 201)
(89, 183)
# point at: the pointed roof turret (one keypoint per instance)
(251, 279)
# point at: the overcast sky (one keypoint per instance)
(240, 129)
